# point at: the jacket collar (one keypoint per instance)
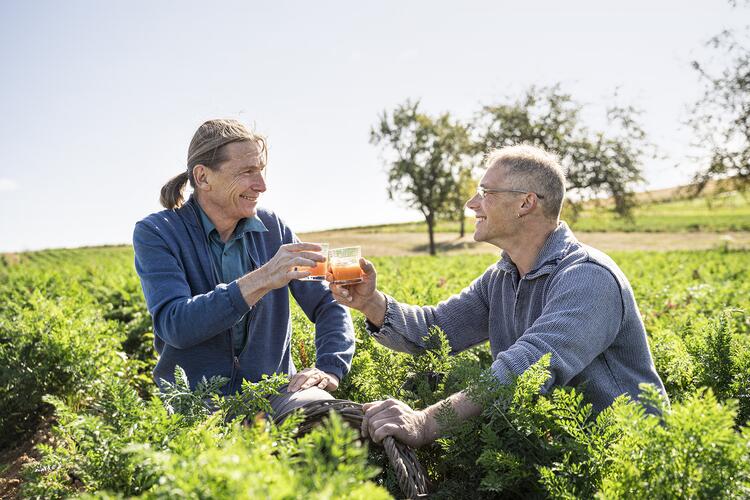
(558, 244)
(190, 213)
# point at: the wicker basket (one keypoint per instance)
(411, 475)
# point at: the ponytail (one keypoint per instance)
(171, 192)
(206, 148)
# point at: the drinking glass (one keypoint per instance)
(317, 272)
(345, 265)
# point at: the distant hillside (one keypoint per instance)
(711, 190)
(716, 209)
(662, 210)
(666, 219)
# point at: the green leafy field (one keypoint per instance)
(719, 213)
(727, 212)
(75, 340)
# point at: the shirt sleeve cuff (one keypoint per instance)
(371, 328)
(333, 370)
(236, 298)
(501, 372)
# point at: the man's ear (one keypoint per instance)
(528, 203)
(201, 175)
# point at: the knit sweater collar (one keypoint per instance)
(556, 247)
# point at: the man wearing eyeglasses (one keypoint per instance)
(547, 294)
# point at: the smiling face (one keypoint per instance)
(233, 188)
(496, 219)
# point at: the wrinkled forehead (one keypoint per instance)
(246, 153)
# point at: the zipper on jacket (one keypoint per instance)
(217, 280)
(251, 314)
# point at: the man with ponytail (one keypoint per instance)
(216, 271)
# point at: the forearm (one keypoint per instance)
(374, 310)
(405, 328)
(401, 327)
(184, 322)
(464, 318)
(464, 408)
(334, 331)
(334, 340)
(392, 417)
(253, 286)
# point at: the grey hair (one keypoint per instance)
(533, 169)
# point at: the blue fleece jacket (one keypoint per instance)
(193, 312)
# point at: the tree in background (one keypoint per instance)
(423, 156)
(596, 163)
(721, 118)
(466, 175)
(466, 187)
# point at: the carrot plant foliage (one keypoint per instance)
(76, 346)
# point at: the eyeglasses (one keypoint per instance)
(483, 191)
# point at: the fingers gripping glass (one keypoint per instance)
(345, 265)
(317, 272)
(483, 191)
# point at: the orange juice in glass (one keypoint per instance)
(345, 265)
(318, 271)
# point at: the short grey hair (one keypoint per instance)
(533, 169)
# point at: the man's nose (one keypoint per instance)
(260, 184)
(472, 202)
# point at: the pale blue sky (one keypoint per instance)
(100, 99)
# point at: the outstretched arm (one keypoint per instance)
(579, 321)
(415, 428)
(402, 327)
(183, 319)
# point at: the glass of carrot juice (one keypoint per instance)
(317, 272)
(345, 265)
